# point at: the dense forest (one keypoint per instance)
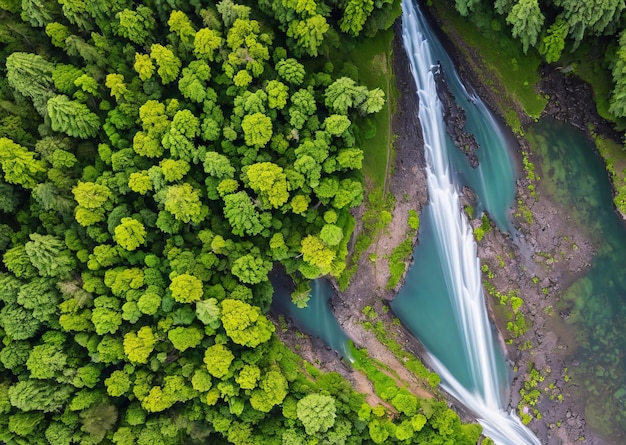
(159, 159)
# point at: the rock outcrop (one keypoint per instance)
(454, 118)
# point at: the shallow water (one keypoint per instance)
(317, 318)
(595, 305)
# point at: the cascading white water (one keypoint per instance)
(457, 253)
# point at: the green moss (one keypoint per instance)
(397, 262)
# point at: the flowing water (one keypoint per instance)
(442, 301)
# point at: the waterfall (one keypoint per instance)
(458, 288)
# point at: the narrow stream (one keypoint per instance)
(442, 301)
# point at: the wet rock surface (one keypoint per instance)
(454, 118)
(571, 100)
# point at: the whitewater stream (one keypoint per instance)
(442, 302)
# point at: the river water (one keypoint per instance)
(595, 305)
(442, 302)
(317, 317)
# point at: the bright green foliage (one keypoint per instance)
(174, 390)
(149, 302)
(201, 380)
(144, 66)
(41, 297)
(217, 359)
(24, 424)
(242, 78)
(218, 165)
(308, 34)
(331, 235)
(139, 345)
(19, 164)
(374, 102)
(186, 288)
(406, 403)
(343, 94)
(553, 42)
(174, 170)
(231, 11)
(299, 204)
(130, 234)
(72, 118)
(355, 15)
(184, 203)
(197, 154)
(317, 412)
(527, 21)
(169, 65)
(118, 383)
(49, 255)
(269, 181)
(248, 377)
(137, 26)
(336, 124)
(241, 214)
(291, 71)
(180, 24)
(86, 83)
(16, 260)
(250, 269)
(183, 338)
(106, 320)
(316, 253)
(65, 77)
(208, 312)
(90, 195)
(39, 395)
(589, 18)
(193, 83)
(140, 182)
(115, 82)
(257, 129)
(272, 391)
(245, 324)
(45, 361)
(378, 432)
(206, 43)
(277, 94)
(350, 158)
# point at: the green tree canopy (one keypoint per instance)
(130, 234)
(257, 129)
(186, 288)
(72, 118)
(317, 412)
(245, 324)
